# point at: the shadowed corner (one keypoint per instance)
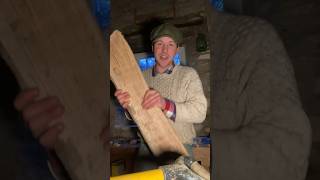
(167, 158)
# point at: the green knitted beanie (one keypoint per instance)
(166, 30)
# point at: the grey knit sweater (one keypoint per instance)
(184, 87)
(260, 130)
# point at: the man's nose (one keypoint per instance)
(164, 48)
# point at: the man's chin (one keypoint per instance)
(164, 65)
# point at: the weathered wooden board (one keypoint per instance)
(126, 75)
(56, 45)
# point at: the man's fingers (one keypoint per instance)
(40, 106)
(151, 96)
(151, 101)
(149, 93)
(118, 91)
(50, 138)
(26, 97)
(42, 122)
(151, 104)
(125, 104)
(123, 98)
(124, 101)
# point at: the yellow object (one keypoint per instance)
(117, 168)
(156, 174)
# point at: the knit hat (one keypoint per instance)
(166, 30)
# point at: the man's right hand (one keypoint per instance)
(43, 116)
(123, 98)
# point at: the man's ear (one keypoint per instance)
(152, 47)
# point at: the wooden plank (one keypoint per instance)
(126, 75)
(202, 154)
(56, 45)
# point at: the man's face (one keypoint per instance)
(164, 49)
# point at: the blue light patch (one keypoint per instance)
(218, 4)
(149, 62)
(101, 9)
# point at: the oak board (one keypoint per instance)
(57, 46)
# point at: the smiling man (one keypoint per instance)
(176, 89)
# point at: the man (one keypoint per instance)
(176, 90)
(184, 104)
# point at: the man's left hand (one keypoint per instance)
(152, 98)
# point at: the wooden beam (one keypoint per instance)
(56, 45)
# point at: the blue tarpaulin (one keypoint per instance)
(101, 9)
(218, 4)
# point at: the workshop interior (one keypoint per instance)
(296, 22)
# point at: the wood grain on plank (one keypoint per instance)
(55, 45)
